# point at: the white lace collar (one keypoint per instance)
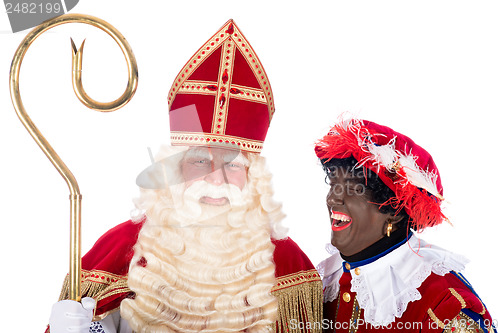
(385, 286)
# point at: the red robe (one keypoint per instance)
(448, 304)
(105, 268)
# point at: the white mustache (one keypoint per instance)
(202, 188)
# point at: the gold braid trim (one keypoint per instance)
(435, 319)
(463, 304)
(299, 297)
(98, 285)
(460, 276)
(300, 307)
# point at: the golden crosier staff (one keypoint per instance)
(75, 196)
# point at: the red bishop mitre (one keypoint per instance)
(222, 95)
(405, 167)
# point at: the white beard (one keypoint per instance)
(189, 211)
(209, 268)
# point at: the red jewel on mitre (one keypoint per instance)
(405, 167)
(222, 95)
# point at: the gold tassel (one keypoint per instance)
(299, 295)
(300, 303)
(98, 285)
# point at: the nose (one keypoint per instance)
(216, 177)
(335, 196)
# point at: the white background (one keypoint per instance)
(429, 69)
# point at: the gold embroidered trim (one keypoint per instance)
(225, 77)
(435, 319)
(236, 39)
(208, 88)
(299, 299)
(461, 277)
(98, 285)
(196, 60)
(482, 304)
(256, 66)
(457, 296)
(299, 296)
(202, 139)
(294, 279)
(249, 94)
(484, 309)
(356, 313)
(198, 87)
(338, 306)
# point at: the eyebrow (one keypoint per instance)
(199, 153)
(241, 159)
(205, 153)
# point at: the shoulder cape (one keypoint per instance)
(105, 267)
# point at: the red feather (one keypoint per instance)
(350, 138)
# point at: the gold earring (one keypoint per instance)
(389, 229)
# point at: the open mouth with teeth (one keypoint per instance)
(340, 221)
(214, 201)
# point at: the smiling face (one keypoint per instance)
(356, 222)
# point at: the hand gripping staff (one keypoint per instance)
(75, 196)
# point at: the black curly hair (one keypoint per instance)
(380, 193)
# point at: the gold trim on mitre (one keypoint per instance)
(225, 141)
(229, 38)
(228, 33)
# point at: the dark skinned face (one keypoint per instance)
(356, 222)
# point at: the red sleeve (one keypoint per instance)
(289, 258)
(455, 302)
(114, 250)
(105, 268)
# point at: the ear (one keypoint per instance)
(394, 219)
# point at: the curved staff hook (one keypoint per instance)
(75, 196)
